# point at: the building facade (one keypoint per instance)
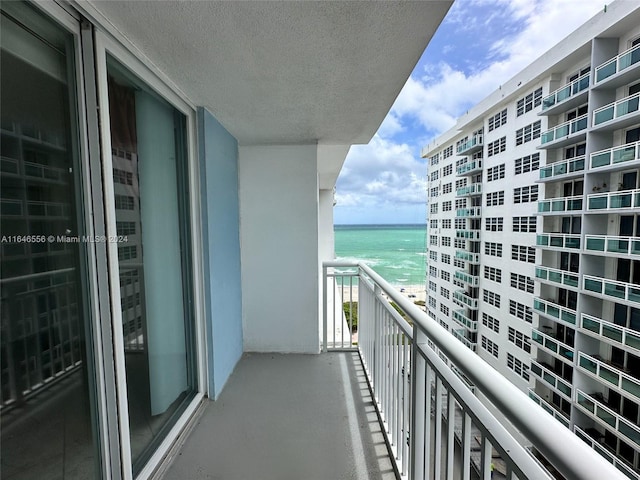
(534, 232)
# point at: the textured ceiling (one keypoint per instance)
(284, 72)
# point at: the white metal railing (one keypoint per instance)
(558, 240)
(562, 168)
(611, 288)
(618, 63)
(612, 244)
(616, 109)
(552, 309)
(475, 141)
(604, 329)
(603, 450)
(615, 155)
(552, 344)
(420, 397)
(549, 408)
(560, 204)
(565, 129)
(613, 200)
(611, 374)
(566, 91)
(546, 373)
(555, 275)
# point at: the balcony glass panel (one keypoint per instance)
(627, 106)
(541, 273)
(555, 276)
(624, 154)
(587, 364)
(629, 432)
(581, 123)
(586, 402)
(600, 159)
(598, 203)
(628, 58)
(544, 206)
(535, 368)
(634, 294)
(570, 280)
(620, 201)
(635, 247)
(590, 325)
(560, 169)
(542, 240)
(565, 352)
(572, 242)
(606, 70)
(569, 317)
(604, 115)
(550, 379)
(606, 416)
(608, 375)
(633, 340)
(596, 244)
(546, 172)
(551, 345)
(631, 387)
(557, 205)
(564, 388)
(614, 290)
(553, 310)
(536, 337)
(612, 333)
(618, 245)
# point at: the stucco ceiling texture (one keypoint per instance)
(285, 72)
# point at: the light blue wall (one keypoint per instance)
(221, 238)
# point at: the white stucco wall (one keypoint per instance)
(278, 189)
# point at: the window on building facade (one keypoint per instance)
(528, 133)
(489, 346)
(493, 274)
(522, 282)
(498, 120)
(445, 293)
(493, 224)
(433, 240)
(490, 322)
(444, 275)
(524, 224)
(446, 223)
(495, 198)
(446, 258)
(491, 298)
(520, 340)
(446, 241)
(446, 206)
(433, 207)
(517, 366)
(447, 170)
(527, 164)
(520, 311)
(446, 188)
(493, 249)
(523, 253)
(447, 152)
(497, 146)
(495, 173)
(525, 194)
(530, 101)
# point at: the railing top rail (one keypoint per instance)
(615, 59)
(568, 122)
(617, 147)
(568, 84)
(568, 454)
(617, 102)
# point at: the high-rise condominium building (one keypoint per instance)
(534, 232)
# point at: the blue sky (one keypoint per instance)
(479, 45)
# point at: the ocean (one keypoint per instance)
(395, 252)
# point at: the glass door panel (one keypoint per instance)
(47, 406)
(152, 220)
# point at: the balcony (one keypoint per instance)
(611, 289)
(473, 212)
(558, 241)
(619, 70)
(461, 335)
(565, 133)
(618, 335)
(549, 343)
(608, 244)
(564, 170)
(470, 146)
(610, 374)
(597, 410)
(325, 416)
(469, 168)
(551, 309)
(463, 299)
(464, 277)
(616, 157)
(473, 258)
(557, 277)
(568, 96)
(613, 200)
(618, 114)
(545, 373)
(557, 206)
(472, 190)
(462, 319)
(468, 234)
(549, 408)
(603, 450)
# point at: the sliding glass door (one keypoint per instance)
(47, 394)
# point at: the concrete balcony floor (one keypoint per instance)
(287, 417)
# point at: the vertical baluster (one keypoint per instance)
(466, 447)
(437, 443)
(451, 423)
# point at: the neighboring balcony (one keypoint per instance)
(564, 170)
(609, 374)
(468, 234)
(472, 145)
(460, 317)
(616, 158)
(608, 244)
(618, 114)
(548, 342)
(566, 97)
(560, 205)
(558, 241)
(566, 133)
(469, 168)
(545, 373)
(472, 190)
(602, 329)
(555, 276)
(604, 450)
(611, 289)
(550, 408)
(599, 202)
(464, 277)
(473, 258)
(619, 70)
(593, 405)
(472, 212)
(463, 299)
(555, 311)
(461, 335)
